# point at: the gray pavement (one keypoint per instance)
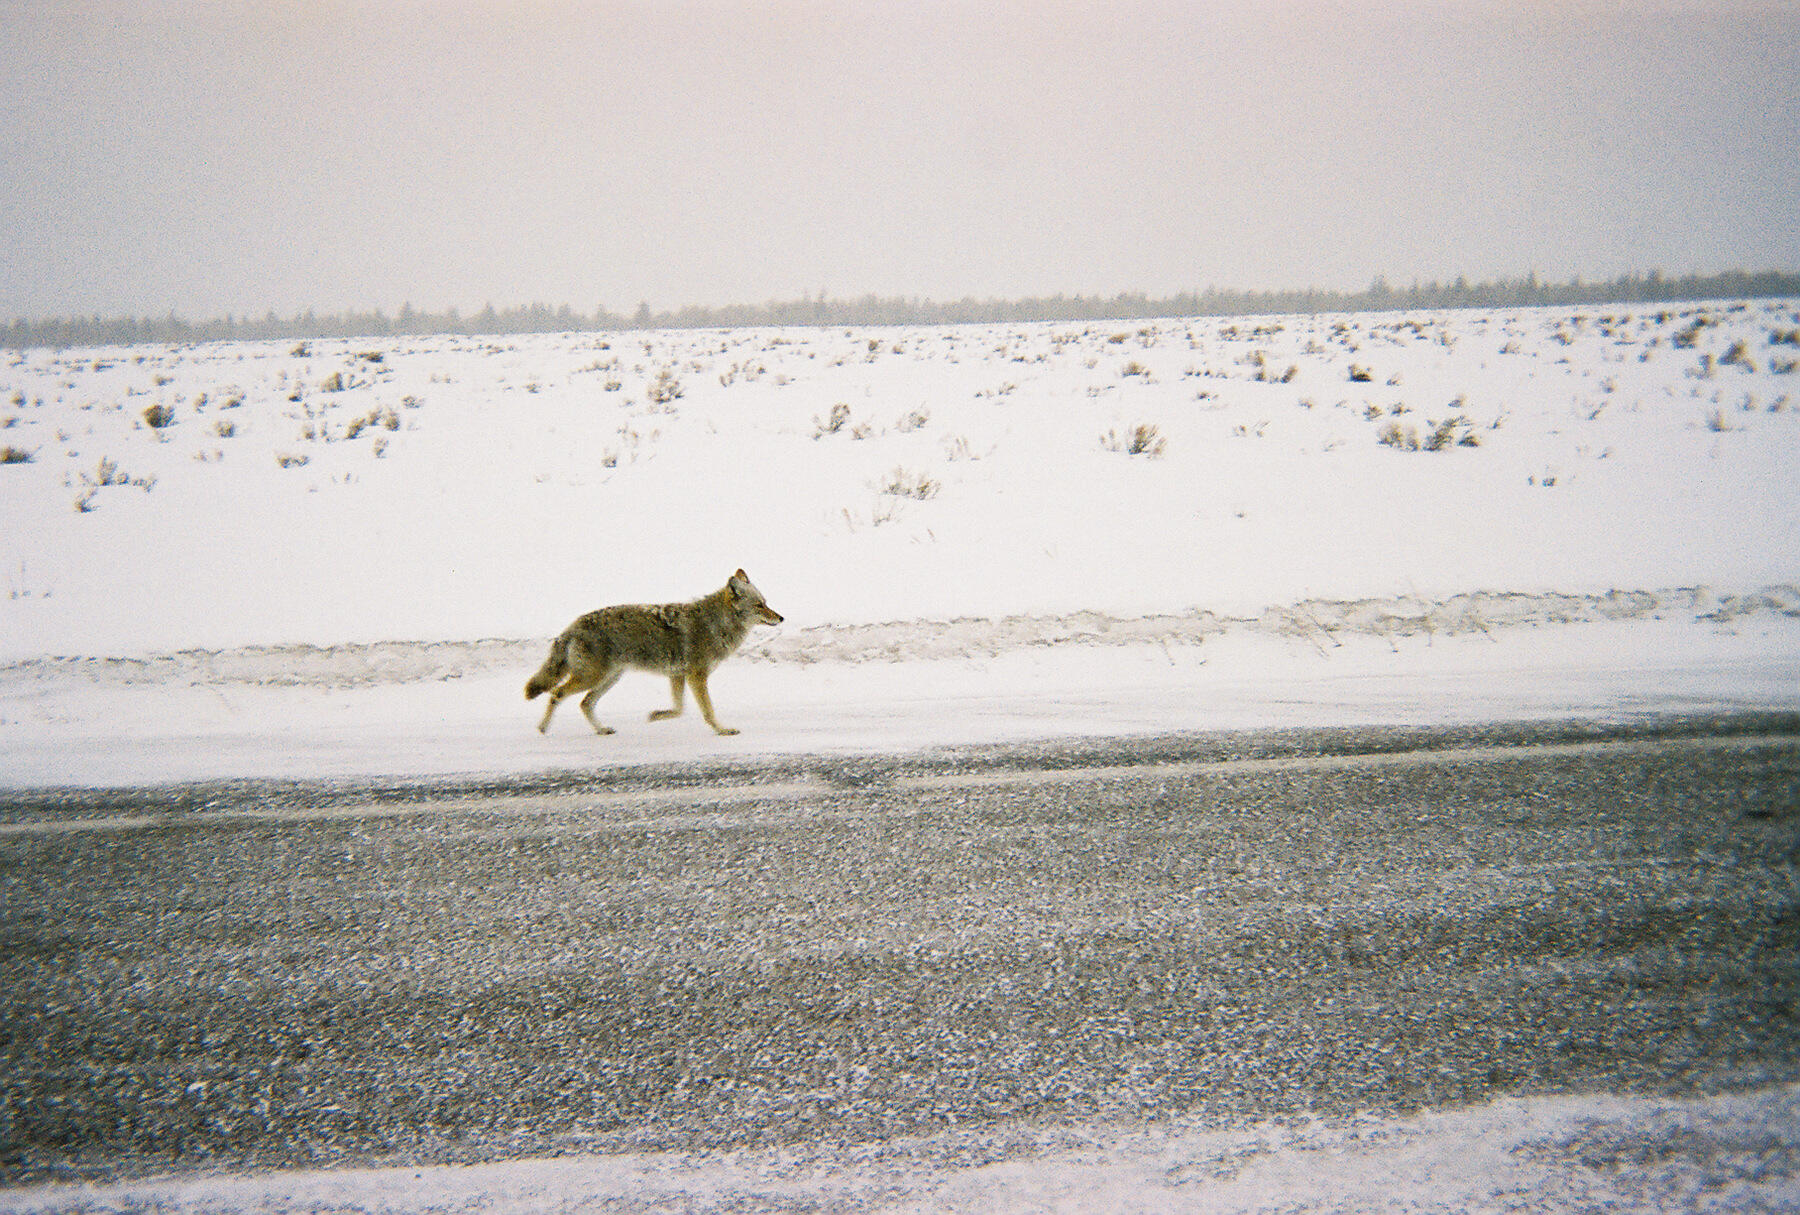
(839, 951)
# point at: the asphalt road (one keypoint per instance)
(844, 950)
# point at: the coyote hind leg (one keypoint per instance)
(599, 690)
(580, 683)
(677, 694)
(557, 696)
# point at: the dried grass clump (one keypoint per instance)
(1142, 439)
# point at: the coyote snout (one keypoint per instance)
(684, 641)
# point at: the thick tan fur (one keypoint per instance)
(684, 641)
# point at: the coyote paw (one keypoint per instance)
(603, 731)
(726, 730)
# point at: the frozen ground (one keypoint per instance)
(272, 558)
(344, 558)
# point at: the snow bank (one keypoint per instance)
(425, 709)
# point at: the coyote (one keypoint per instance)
(684, 641)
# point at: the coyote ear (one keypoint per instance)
(741, 576)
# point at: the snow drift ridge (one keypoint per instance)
(1318, 622)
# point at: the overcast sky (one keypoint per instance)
(286, 154)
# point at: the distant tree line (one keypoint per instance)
(1380, 296)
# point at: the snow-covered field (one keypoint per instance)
(338, 557)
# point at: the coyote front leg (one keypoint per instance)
(697, 679)
(678, 694)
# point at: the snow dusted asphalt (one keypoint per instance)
(1201, 973)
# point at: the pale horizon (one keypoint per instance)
(209, 159)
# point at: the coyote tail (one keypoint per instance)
(553, 669)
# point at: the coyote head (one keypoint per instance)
(749, 600)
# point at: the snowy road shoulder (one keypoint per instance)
(456, 708)
(1728, 1152)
